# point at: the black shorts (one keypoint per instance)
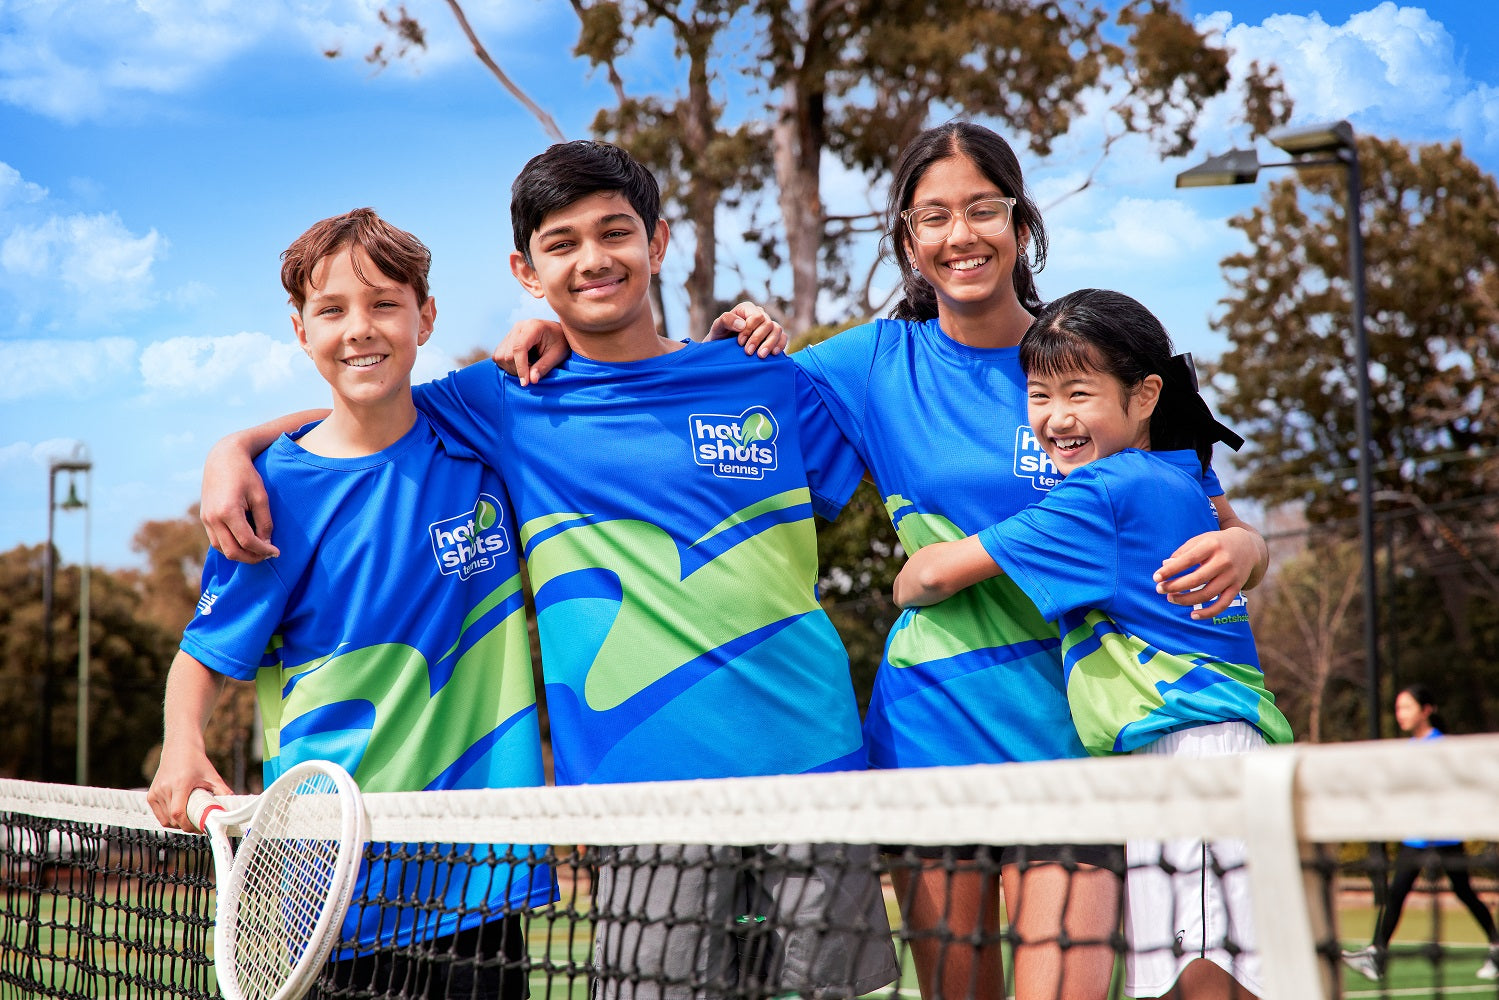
(1109, 856)
(487, 962)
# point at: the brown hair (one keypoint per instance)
(399, 255)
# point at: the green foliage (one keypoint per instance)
(1431, 224)
(859, 79)
(128, 658)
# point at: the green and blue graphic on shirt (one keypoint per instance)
(666, 518)
(389, 636)
(1138, 666)
(944, 431)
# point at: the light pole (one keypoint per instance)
(1317, 146)
(77, 462)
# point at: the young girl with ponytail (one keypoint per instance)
(1119, 415)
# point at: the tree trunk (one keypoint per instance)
(798, 148)
(704, 192)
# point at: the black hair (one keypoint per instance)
(1112, 334)
(568, 171)
(1424, 697)
(996, 161)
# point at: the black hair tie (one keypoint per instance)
(1183, 372)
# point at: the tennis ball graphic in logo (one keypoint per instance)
(485, 515)
(756, 427)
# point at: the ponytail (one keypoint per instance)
(1182, 419)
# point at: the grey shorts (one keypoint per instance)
(680, 923)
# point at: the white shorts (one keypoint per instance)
(1199, 908)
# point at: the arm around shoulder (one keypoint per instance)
(234, 508)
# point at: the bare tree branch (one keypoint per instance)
(615, 80)
(1108, 144)
(548, 124)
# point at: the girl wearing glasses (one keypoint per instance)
(935, 400)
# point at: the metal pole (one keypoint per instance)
(83, 633)
(44, 709)
(1349, 155)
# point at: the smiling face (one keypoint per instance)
(1080, 415)
(362, 332)
(592, 261)
(968, 272)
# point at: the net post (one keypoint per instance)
(1278, 884)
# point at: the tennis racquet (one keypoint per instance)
(283, 893)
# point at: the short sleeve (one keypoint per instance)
(1063, 551)
(241, 607)
(1210, 484)
(465, 408)
(833, 465)
(840, 369)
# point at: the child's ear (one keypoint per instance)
(429, 320)
(1145, 397)
(300, 329)
(659, 239)
(526, 274)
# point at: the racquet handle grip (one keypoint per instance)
(199, 804)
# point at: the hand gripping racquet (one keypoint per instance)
(283, 894)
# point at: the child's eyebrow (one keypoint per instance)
(612, 219)
(988, 194)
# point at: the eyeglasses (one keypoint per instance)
(933, 224)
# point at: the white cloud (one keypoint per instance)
(15, 189)
(1139, 233)
(17, 453)
(1391, 69)
(202, 365)
(77, 60)
(102, 267)
(71, 368)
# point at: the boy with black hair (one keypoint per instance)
(666, 494)
(400, 655)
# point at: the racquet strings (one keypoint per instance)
(287, 875)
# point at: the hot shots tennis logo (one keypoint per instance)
(1032, 462)
(735, 447)
(471, 542)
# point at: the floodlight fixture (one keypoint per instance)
(1331, 137)
(1237, 166)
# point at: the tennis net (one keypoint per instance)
(818, 885)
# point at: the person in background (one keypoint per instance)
(1416, 714)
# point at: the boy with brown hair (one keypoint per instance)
(388, 634)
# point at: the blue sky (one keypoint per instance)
(155, 158)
